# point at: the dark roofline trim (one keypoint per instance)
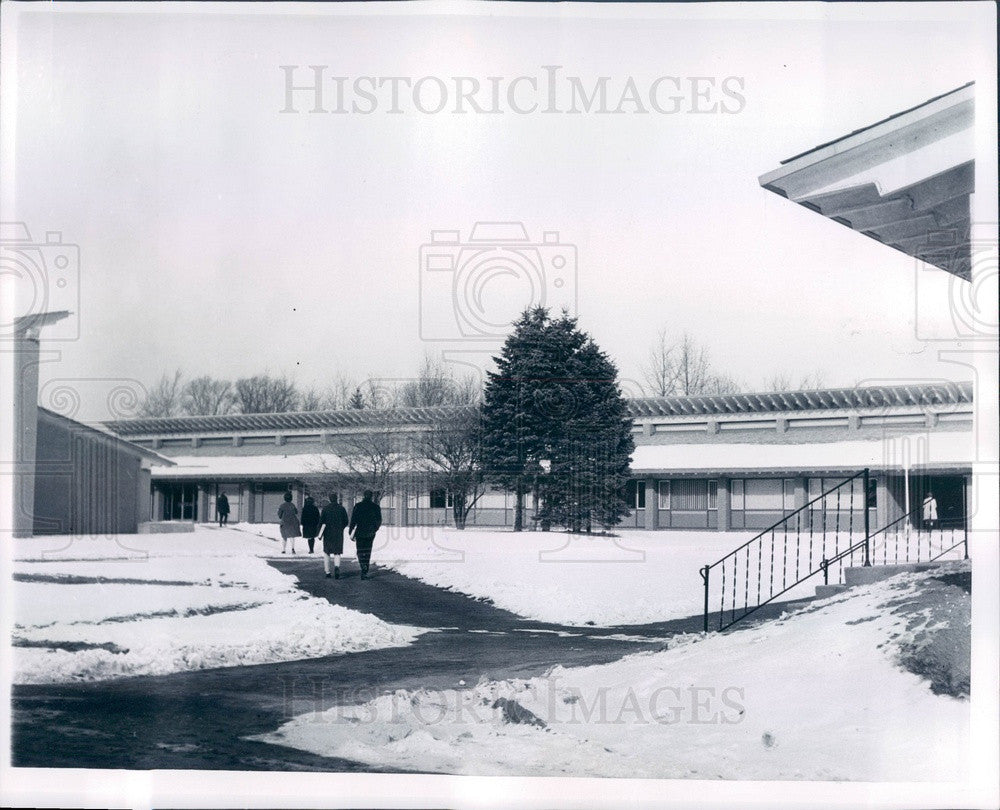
(106, 435)
(888, 396)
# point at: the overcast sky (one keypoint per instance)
(220, 236)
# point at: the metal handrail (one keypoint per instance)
(771, 528)
(798, 578)
(868, 542)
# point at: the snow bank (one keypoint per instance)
(637, 578)
(816, 695)
(153, 604)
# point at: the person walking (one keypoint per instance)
(333, 521)
(310, 522)
(930, 511)
(288, 515)
(222, 509)
(366, 518)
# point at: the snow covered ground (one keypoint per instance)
(108, 607)
(637, 578)
(817, 695)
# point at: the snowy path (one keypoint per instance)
(200, 719)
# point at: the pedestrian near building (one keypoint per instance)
(333, 521)
(288, 516)
(310, 522)
(930, 511)
(222, 509)
(366, 518)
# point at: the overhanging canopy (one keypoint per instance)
(905, 181)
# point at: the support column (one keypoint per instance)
(157, 503)
(26, 359)
(652, 504)
(143, 497)
(724, 505)
(801, 492)
(203, 515)
(881, 502)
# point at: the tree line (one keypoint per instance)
(434, 385)
(675, 366)
(681, 366)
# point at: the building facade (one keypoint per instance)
(734, 462)
(70, 478)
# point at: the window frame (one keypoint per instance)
(662, 486)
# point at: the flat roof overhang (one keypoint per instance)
(797, 472)
(905, 181)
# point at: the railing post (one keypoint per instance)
(704, 575)
(864, 503)
(825, 567)
(965, 515)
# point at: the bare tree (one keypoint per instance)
(682, 368)
(658, 372)
(783, 382)
(165, 398)
(436, 385)
(205, 396)
(376, 457)
(723, 384)
(265, 394)
(778, 382)
(337, 395)
(310, 400)
(450, 452)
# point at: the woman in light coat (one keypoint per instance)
(288, 515)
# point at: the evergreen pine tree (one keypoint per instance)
(357, 400)
(555, 398)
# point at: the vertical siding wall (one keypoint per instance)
(84, 484)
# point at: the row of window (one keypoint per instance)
(746, 494)
(749, 494)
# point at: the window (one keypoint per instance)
(765, 494)
(789, 494)
(737, 498)
(713, 494)
(440, 499)
(663, 492)
(635, 494)
(814, 488)
(689, 496)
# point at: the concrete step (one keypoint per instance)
(823, 591)
(865, 575)
(165, 527)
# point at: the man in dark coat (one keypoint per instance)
(366, 518)
(332, 522)
(222, 509)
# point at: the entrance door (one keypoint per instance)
(180, 502)
(948, 491)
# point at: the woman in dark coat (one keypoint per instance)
(289, 517)
(310, 522)
(333, 521)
